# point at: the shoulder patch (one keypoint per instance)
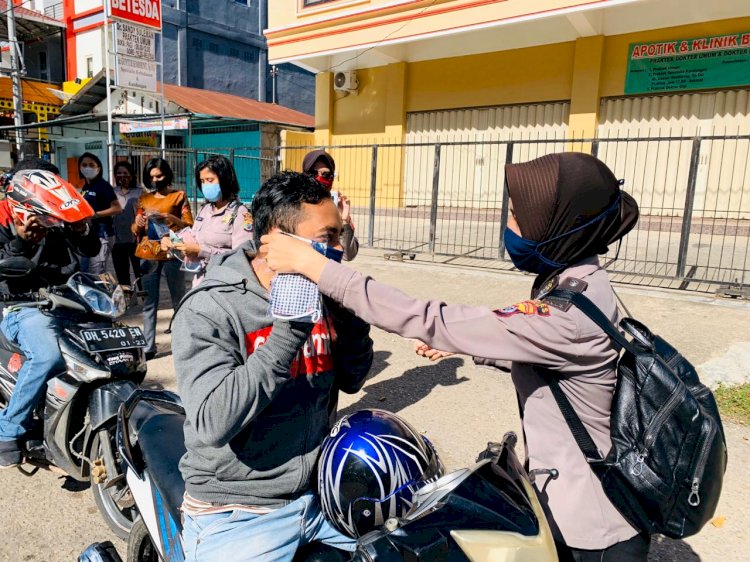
(247, 225)
(528, 308)
(568, 284)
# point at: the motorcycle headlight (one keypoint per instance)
(103, 304)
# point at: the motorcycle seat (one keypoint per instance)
(162, 445)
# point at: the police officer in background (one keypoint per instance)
(565, 210)
(223, 223)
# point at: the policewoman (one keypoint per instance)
(565, 210)
(223, 222)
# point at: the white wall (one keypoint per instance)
(84, 5)
(89, 44)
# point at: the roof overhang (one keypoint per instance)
(29, 24)
(328, 48)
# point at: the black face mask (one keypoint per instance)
(159, 184)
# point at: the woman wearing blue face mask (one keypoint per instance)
(222, 224)
(566, 210)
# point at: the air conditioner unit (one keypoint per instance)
(346, 81)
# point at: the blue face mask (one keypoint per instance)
(211, 191)
(526, 256)
(322, 248)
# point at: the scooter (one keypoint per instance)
(488, 511)
(73, 427)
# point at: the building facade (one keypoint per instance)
(437, 71)
(423, 102)
(217, 45)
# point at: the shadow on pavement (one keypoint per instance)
(73, 485)
(669, 550)
(399, 392)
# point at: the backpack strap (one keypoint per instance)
(584, 304)
(589, 449)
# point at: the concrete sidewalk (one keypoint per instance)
(459, 406)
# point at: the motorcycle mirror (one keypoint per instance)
(16, 266)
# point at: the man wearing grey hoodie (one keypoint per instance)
(258, 392)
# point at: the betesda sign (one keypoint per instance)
(139, 12)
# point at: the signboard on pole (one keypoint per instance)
(721, 61)
(135, 41)
(139, 12)
(175, 124)
(136, 74)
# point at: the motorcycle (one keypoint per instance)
(73, 427)
(488, 511)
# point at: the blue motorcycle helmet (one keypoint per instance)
(370, 466)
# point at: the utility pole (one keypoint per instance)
(274, 74)
(15, 74)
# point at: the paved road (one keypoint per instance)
(460, 407)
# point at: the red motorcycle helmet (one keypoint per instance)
(47, 195)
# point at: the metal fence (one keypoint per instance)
(449, 199)
(252, 165)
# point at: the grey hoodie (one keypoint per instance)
(257, 392)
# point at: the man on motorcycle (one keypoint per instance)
(258, 392)
(54, 249)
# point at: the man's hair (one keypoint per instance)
(34, 163)
(224, 170)
(279, 201)
(163, 167)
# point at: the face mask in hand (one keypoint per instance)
(295, 297)
(211, 191)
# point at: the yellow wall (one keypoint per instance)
(502, 78)
(295, 145)
(582, 71)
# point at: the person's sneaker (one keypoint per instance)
(10, 454)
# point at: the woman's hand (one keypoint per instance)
(285, 254)
(141, 221)
(432, 354)
(190, 249)
(166, 244)
(345, 208)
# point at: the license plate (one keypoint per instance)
(108, 339)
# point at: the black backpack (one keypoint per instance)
(666, 466)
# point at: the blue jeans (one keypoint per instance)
(98, 264)
(244, 537)
(36, 334)
(151, 271)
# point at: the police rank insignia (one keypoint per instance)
(527, 308)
